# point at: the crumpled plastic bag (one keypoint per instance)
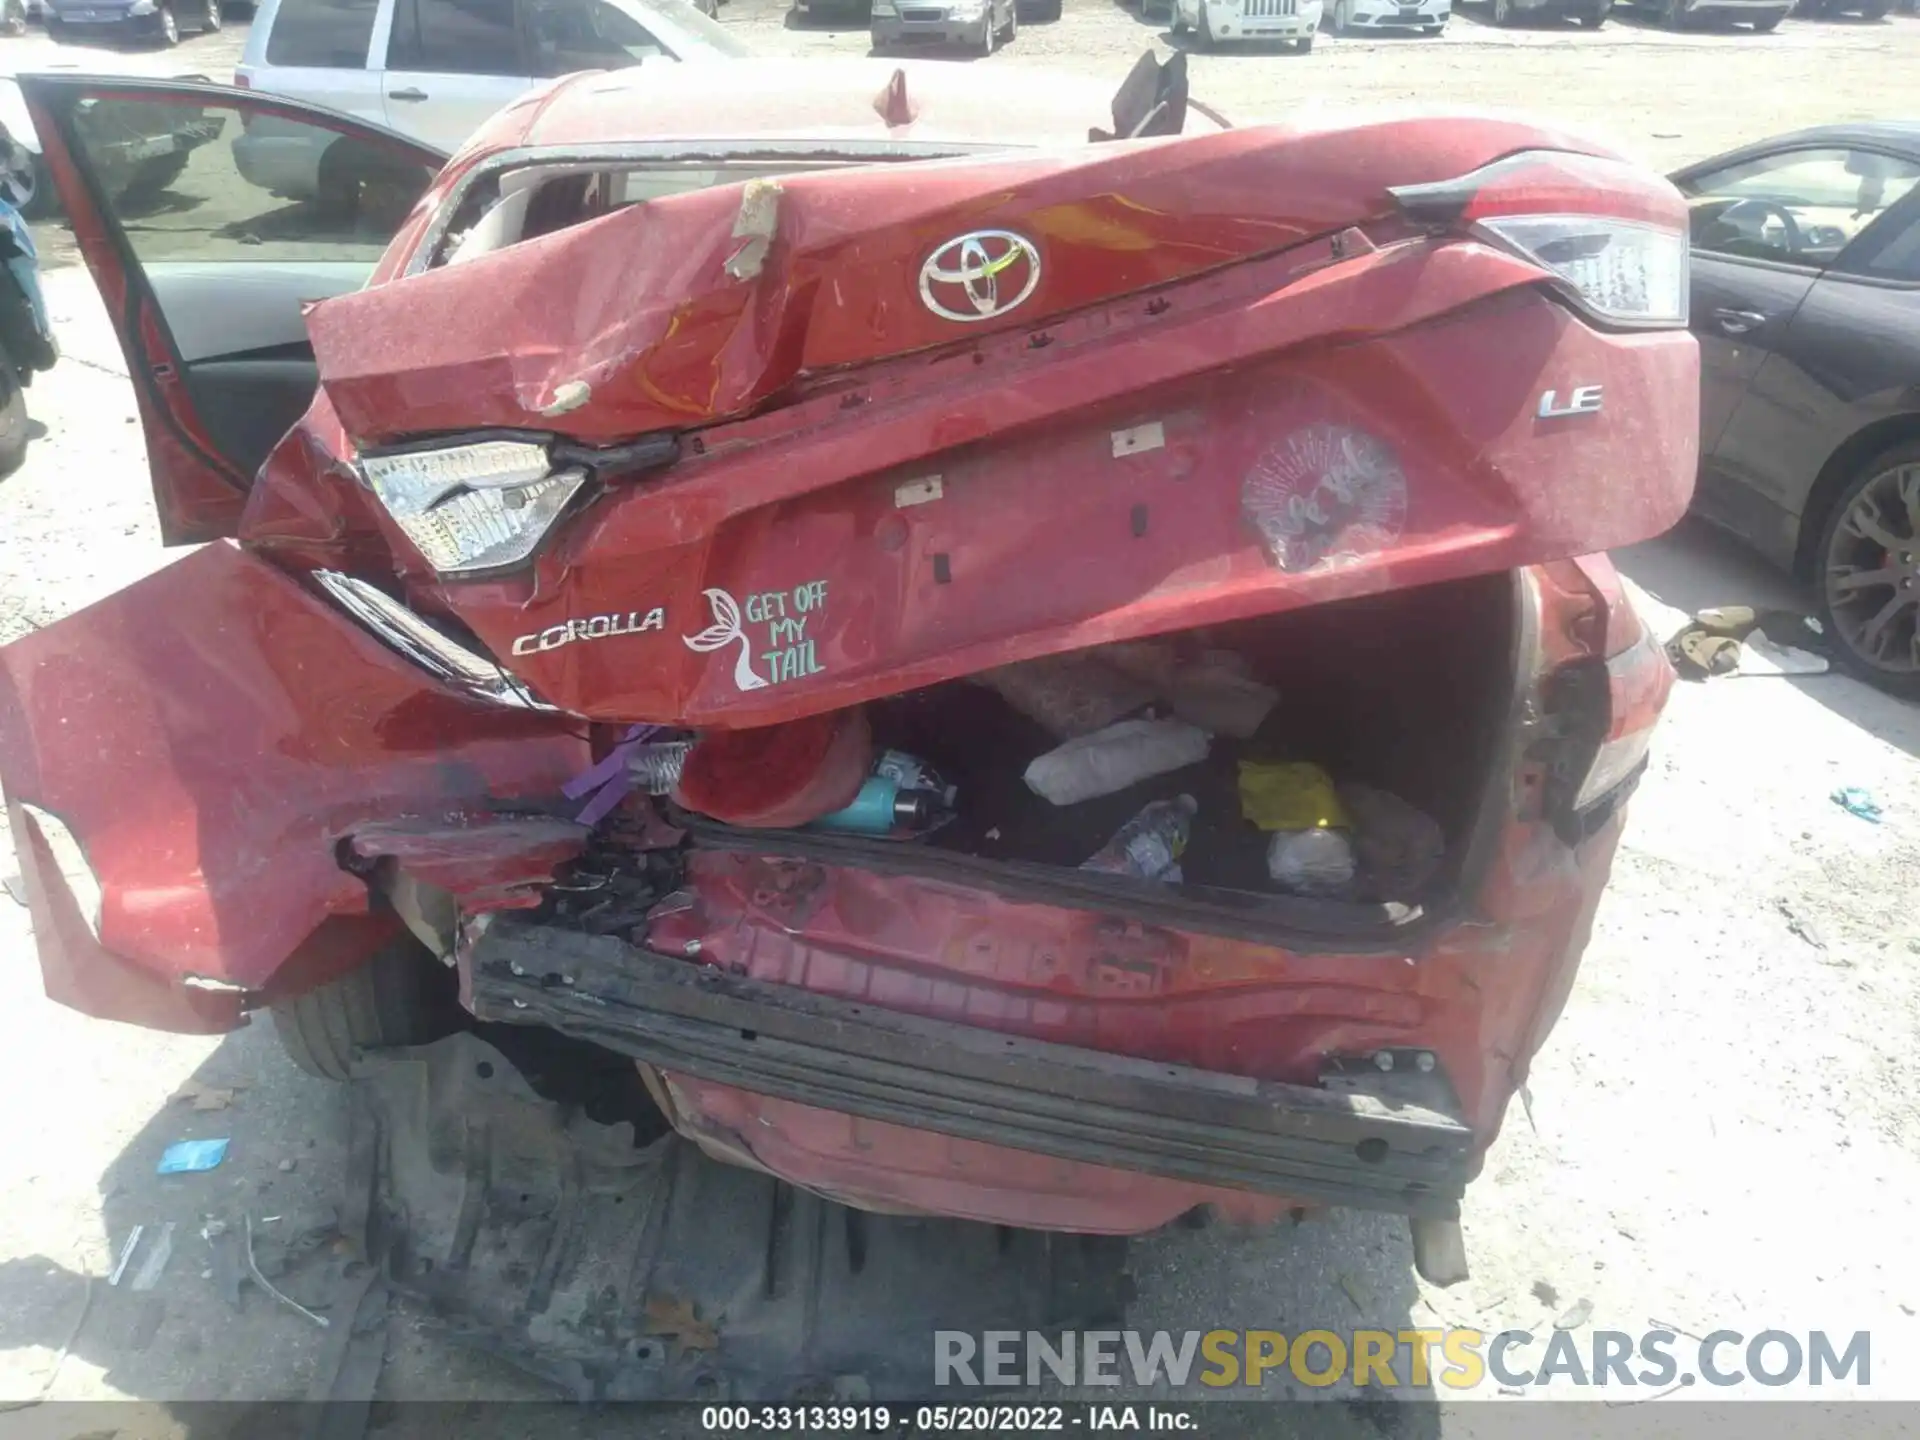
(1290, 795)
(1310, 862)
(1114, 758)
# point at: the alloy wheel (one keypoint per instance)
(1872, 572)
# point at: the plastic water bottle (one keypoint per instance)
(1149, 846)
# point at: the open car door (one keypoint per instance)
(209, 217)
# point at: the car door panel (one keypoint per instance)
(1740, 309)
(451, 65)
(205, 270)
(1849, 358)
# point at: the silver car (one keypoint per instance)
(978, 25)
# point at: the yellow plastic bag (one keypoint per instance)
(1292, 795)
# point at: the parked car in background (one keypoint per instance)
(1806, 302)
(435, 69)
(1829, 9)
(1347, 17)
(976, 25)
(851, 12)
(149, 154)
(27, 345)
(1590, 13)
(1762, 15)
(162, 21)
(1226, 22)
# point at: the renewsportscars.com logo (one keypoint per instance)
(1457, 1360)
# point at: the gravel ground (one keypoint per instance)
(1724, 1129)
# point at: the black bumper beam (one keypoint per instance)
(1338, 1146)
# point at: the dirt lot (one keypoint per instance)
(1724, 1130)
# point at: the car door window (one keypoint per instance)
(324, 34)
(187, 183)
(455, 37)
(1892, 256)
(568, 35)
(1799, 207)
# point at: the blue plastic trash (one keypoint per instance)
(183, 1157)
(1856, 801)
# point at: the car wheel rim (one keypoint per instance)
(1873, 572)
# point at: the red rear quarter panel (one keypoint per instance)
(208, 735)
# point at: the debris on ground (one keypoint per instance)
(186, 1157)
(1546, 1294)
(1857, 801)
(1575, 1315)
(286, 1167)
(154, 1264)
(126, 1255)
(1739, 640)
(1799, 925)
(15, 886)
(675, 1320)
(205, 1097)
(1352, 1287)
(253, 1270)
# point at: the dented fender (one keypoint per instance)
(182, 761)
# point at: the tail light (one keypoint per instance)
(1609, 682)
(476, 507)
(1612, 236)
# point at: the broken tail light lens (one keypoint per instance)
(472, 508)
(1613, 235)
(1620, 270)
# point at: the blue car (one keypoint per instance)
(26, 334)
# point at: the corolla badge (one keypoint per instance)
(979, 275)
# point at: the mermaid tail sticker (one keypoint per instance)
(725, 630)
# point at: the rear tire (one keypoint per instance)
(1175, 24)
(168, 31)
(211, 18)
(13, 417)
(402, 996)
(1850, 553)
(1206, 28)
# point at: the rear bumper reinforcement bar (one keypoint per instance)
(1338, 1146)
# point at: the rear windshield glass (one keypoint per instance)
(539, 200)
(330, 33)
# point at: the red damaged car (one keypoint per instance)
(661, 553)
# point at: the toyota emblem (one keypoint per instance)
(979, 275)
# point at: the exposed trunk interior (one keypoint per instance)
(1406, 692)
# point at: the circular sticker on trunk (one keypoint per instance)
(1325, 495)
